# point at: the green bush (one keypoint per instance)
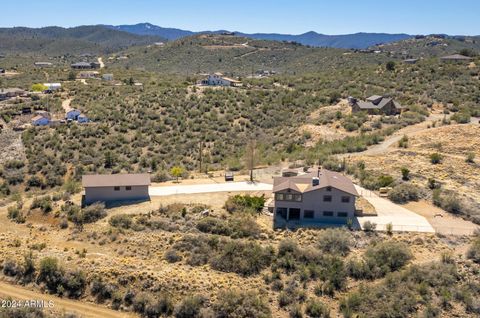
(317, 309)
(189, 307)
(436, 158)
(239, 203)
(335, 241)
(42, 203)
(473, 252)
(121, 220)
(404, 192)
(241, 304)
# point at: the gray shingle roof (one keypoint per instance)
(111, 180)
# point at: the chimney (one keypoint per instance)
(315, 181)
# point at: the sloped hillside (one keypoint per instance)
(60, 41)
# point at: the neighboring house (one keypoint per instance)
(40, 121)
(82, 119)
(456, 58)
(376, 105)
(317, 198)
(84, 65)
(95, 65)
(72, 114)
(107, 77)
(88, 74)
(43, 64)
(52, 86)
(6, 93)
(217, 79)
(116, 187)
(410, 61)
(43, 113)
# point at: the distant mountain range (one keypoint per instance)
(347, 41)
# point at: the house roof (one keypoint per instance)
(38, 117)
(82, 64)
(303, 183)
(456, 57)
(377, 102)
(230, 79)
(111, 180)
(11, 90)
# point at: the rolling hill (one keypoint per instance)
(348, 41)
(240, 56)
(77, 40)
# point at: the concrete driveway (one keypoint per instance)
(207, 188)
(389, 212)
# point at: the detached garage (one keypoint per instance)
(115, 187)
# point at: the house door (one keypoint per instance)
(294, 214)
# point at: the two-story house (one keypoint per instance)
(315, 198)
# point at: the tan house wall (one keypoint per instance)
(108, 194)
(313, 200)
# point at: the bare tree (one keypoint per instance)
(251, 157)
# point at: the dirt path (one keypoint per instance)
(66, 104)
(100, 61)
(61, 304)
(382, 147)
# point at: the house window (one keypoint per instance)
(297, 197)
(345, 199)
(342, 214)
(282, 212)
(308, 214)
(327, 213)
(329, 189)
(327, 198)
(116, 188)
(279, 196)
(294, 214)
(289, 197)
(128, 188)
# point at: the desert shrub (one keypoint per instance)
(42, 203)
(335, 241)
(172, 256)
(237, 227)
(241, 304)
(102, 290)
(473, 252)
(162, 305)
(369, 226)
(26, 312)
(436, 158)
(10, 268)
(14, 213)
(51, 274)
(242, 258)
(189, 307)
(93, 212)
(404, 193)
(403, 142)
(380, 259)
(448, 201)
(316, 309)
(123, 221)
(461, 117)
(74, 283)
(296, 311)
(239, 203)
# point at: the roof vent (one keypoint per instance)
(315, 181)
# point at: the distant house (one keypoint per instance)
(456, 58)
(376, 105)
(316, 198)
(43, 113)
(217, 79)
(85, 65)
(72, 114)
(7, 93)
(116, 187)
(43, 64)
(52, 86)
(107, 77)
(82, 119)
(410, 61)
(40, 121)
(88, 74)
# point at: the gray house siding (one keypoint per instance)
(110, 194)
(313, 209)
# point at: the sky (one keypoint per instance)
(454, 17)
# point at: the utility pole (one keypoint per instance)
(200, 154)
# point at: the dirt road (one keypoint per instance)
(66, 104)
(61, 304)
(100, 61)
